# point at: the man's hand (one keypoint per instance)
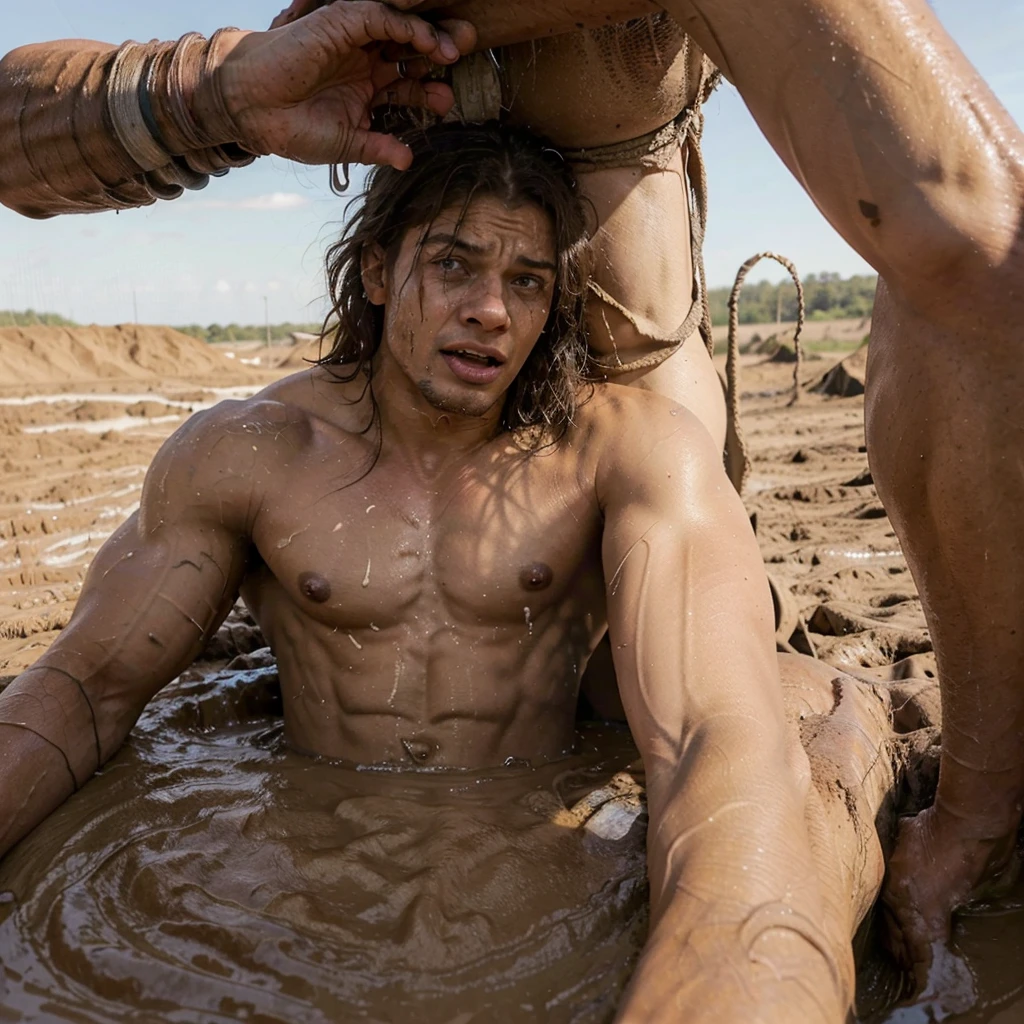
(305, 90)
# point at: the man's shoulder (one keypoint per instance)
(641, 439)
(288, 411)
(250, 439)
(616, 415)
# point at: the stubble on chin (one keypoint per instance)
(451, 404)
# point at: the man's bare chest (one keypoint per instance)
(486, 542)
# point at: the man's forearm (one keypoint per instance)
(49, 747)
(34, 781)
(59, 152)
(735, 903)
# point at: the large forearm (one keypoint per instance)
(49, 747)
(735, 905)
(59, 150)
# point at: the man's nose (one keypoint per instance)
(485, 306)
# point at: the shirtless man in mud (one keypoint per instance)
(433, 528)
(914, 162)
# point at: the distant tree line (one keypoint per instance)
(247, 332)
(828, 297)
(30, 318)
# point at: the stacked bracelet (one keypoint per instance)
(125, 112)
(150, 101)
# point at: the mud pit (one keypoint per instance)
(209, 874)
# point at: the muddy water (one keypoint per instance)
(209, 874)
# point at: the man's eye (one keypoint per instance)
(529, 282)
(449, 264)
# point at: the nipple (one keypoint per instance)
(315, 587)
(418, 750)
(536, 576)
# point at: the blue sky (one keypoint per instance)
(214, 255)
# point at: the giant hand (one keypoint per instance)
(305, 90)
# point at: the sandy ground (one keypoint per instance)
(76, 438)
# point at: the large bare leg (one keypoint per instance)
(591, 89)
(944, 436)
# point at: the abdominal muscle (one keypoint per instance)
(424, 692)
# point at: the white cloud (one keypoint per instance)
(222, 286)
(272, 201)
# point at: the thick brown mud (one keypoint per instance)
(210, 874)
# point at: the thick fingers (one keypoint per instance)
(433, 96)
(360, 22)
(462, 32)
(376, 148)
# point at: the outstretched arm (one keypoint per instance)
(154, 594)
(737, 930)
(87, 126)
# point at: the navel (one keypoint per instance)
(536, 576)
(419, 751)
(315, 587)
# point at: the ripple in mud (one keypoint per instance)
(209, 874)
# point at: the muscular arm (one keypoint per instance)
(736, 916)
(303, 91)
(154, 594)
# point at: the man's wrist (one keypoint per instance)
(208, 104)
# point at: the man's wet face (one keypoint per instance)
(463, 310)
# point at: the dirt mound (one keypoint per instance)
(301, 356)
(847, 377)
(56, 355)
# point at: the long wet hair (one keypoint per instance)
(454, 164)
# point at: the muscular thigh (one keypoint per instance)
(600, 87)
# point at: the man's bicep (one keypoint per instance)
(155, 592)
(689, 610)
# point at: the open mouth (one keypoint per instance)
(479, 358)
(473, 366)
